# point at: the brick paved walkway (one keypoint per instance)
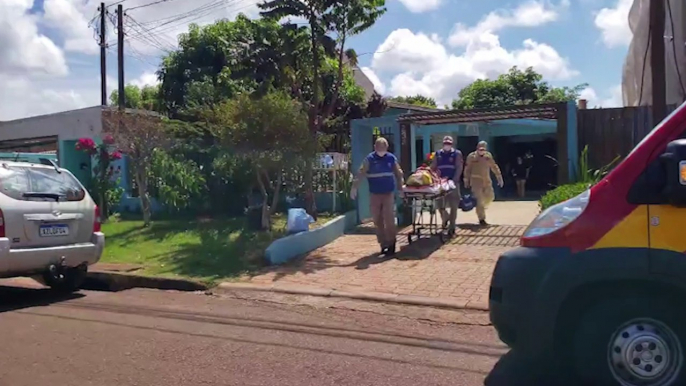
(459, 270)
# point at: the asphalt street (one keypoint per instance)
(148, 337)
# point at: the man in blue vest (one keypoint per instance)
(448, 163)
(384, 175)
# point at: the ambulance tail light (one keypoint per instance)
(558, 216)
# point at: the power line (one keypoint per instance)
(147, 5)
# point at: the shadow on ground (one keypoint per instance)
(17, 298)
(514, 369)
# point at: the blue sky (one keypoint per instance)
(416, 47)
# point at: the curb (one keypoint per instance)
(118, 281)
(369, 296)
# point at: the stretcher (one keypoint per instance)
(424, 200)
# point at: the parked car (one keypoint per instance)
(49, 225)
(599, 281)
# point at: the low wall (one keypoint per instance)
(290, 247)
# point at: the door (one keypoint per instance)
(364, 133)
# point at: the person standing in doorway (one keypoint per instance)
(448, 162)
(385, 176)
(520, 173)
(477, 176)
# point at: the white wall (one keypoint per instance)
(68, 125)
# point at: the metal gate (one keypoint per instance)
(364, 132)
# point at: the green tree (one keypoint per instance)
(342, 18)
(516, 87)
(146, 98)
(271, 133)
(416, 100)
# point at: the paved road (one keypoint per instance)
(147, 337)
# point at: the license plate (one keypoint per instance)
(54, 230)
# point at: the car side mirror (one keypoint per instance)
(674, 162)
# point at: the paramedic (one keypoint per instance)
(477, 175)
(448, 162)
(384, 175)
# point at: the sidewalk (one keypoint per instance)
(458, 271)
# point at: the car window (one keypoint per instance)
(43, 180)
(16, 181)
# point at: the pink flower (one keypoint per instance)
(87, 145)
(115, 155)
(108, 140)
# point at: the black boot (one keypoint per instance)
(483, 223)
(390, 251)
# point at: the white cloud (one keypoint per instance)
(419, 6)
(26, 96)
(67, 16)
(424, 66)
(614, 24)
(530, 14)
(22, 48)
(613, 99)
(378, 84)
(146, 79)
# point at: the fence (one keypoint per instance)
(609, 133)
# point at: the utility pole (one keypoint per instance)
(103, 57)
(657, 60)
(120, 55)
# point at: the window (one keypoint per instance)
(15, 181)
(650, 184)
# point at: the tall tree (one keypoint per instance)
(342, 18)
(516, 87)
(416, 100)
(138, 135)
(271, 133)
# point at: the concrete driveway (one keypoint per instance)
(458, 271)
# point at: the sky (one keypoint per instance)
(50, 62)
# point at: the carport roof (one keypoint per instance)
(537, 111)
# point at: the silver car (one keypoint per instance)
(49, 225)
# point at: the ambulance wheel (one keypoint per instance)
(631, 341)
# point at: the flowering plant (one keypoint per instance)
(429, 159)
(105, 184)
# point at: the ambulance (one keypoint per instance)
(599, 281)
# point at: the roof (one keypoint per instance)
(540, 111)
(407, 106)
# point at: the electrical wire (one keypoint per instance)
(676, 61)
(147, 5)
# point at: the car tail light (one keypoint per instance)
(96, 224)
(2, 224)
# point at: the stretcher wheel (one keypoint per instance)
(409, 238)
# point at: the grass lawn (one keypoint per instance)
(206, 250)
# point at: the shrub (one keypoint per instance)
(562, 193)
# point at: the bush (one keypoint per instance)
(562, 193)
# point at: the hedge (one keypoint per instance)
(562, 193)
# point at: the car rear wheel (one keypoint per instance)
(66, 279)
(631, 341)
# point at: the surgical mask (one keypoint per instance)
(381, 153)
(447, 147)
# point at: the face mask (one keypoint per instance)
(447, 147)
(381, 153)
